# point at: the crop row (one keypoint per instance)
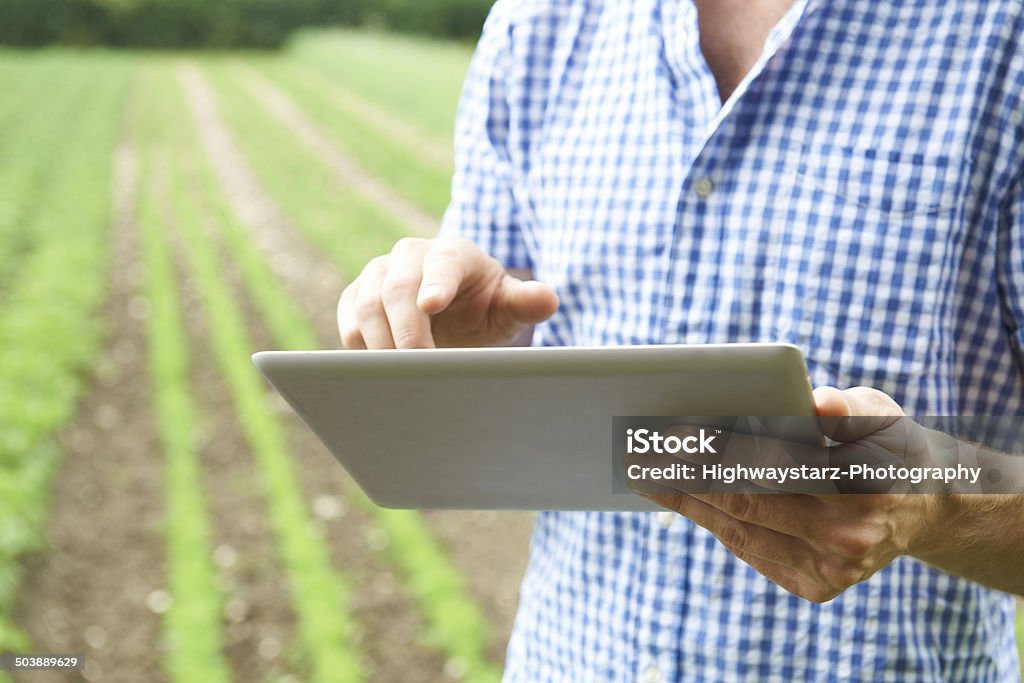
(345, 225)
(55, 191)
(40, 125)
(400, 163)
(21, 79)
(415, 78)
(318, 592)
(49, 328)
(193, 628)
(456, 625)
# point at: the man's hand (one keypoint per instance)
(439, 293)
(817, 546)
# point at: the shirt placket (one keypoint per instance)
(662, 602)
(699, 228)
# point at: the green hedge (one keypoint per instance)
(223, 23)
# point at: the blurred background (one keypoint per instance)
(182, 183)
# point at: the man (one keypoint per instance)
(847, 176)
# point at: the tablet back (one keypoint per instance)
(517, 428)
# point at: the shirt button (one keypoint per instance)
(666, 518)
(651, 675)
(703, 187)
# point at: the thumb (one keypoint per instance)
(525, 302)
(831, 402)
(855, 413)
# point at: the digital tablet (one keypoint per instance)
(517, 428)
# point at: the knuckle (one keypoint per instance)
(854, 543)
(453, 245)
(391, 297)
(350, 337)
(742, 506)
(824, 569)
(679, 504)
(837, 575)
(398, 287)
(850, 575)
(346, 323)
(345, 310)
(368, 304)
(452, 240)
(733, 534)
(881, 403)
(407, 244)
(377, 264)
(820, 594)
(348, 292)
(406, 338)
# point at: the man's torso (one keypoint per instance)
(849, 197)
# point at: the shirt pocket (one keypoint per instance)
(894, 184)
(862, 258)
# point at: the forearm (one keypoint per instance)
(979, 537)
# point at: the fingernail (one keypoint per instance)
(430, 292)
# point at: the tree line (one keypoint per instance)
(169, 24)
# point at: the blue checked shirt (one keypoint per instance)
(861, 195)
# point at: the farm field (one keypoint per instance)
(161, 511)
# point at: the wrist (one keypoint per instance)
(943, 512)
(943, 531)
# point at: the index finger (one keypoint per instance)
(792, 514)
(445, 265)
(410, 326)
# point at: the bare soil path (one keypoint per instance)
(422, 144)
(283, 108)
(291, 257)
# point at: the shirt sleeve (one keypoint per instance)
(483, 208)
(1011, 269)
